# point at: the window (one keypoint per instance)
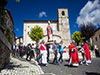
(63, 13)
(28, 26)
(28, 33)
(96, 38)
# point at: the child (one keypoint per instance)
(83, 54)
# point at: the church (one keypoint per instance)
(60, 27)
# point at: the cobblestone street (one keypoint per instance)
(21, 67)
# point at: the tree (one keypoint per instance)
(36, 33)
(77, 36)
(87, 30)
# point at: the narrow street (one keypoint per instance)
(22, 67)
(63, 69)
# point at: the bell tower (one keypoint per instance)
(63, 25)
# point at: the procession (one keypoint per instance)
(41, 53)
(49, 37)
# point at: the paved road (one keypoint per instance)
(22, 67)
(91, 69)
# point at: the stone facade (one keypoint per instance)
(96, 39)
(61, 30)
(5, 49)
(5, 46)
(63, 25)
(7, 22)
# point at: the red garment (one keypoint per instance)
(49, 31)
(75, 58)
(71, 46)
(74, 55)
(86, 48)
(43, 47)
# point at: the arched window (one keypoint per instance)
(63, 13)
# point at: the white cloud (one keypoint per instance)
(42, 14)
(17, 29)
(90, 13)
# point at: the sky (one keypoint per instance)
(78, 10)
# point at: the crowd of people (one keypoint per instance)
(73, 53)
(20, 51)
(41, 53)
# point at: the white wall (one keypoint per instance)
(17, 41)
(28, 26)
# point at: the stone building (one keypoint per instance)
(19, 40)
(10, 24)
(61, 28)
(96, 38)
(7, 21)
(5, 46)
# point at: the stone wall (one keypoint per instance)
(5, 49)
(64, 27)
(96, 39)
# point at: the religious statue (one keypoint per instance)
(49, 32)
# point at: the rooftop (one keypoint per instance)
(43, 21)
